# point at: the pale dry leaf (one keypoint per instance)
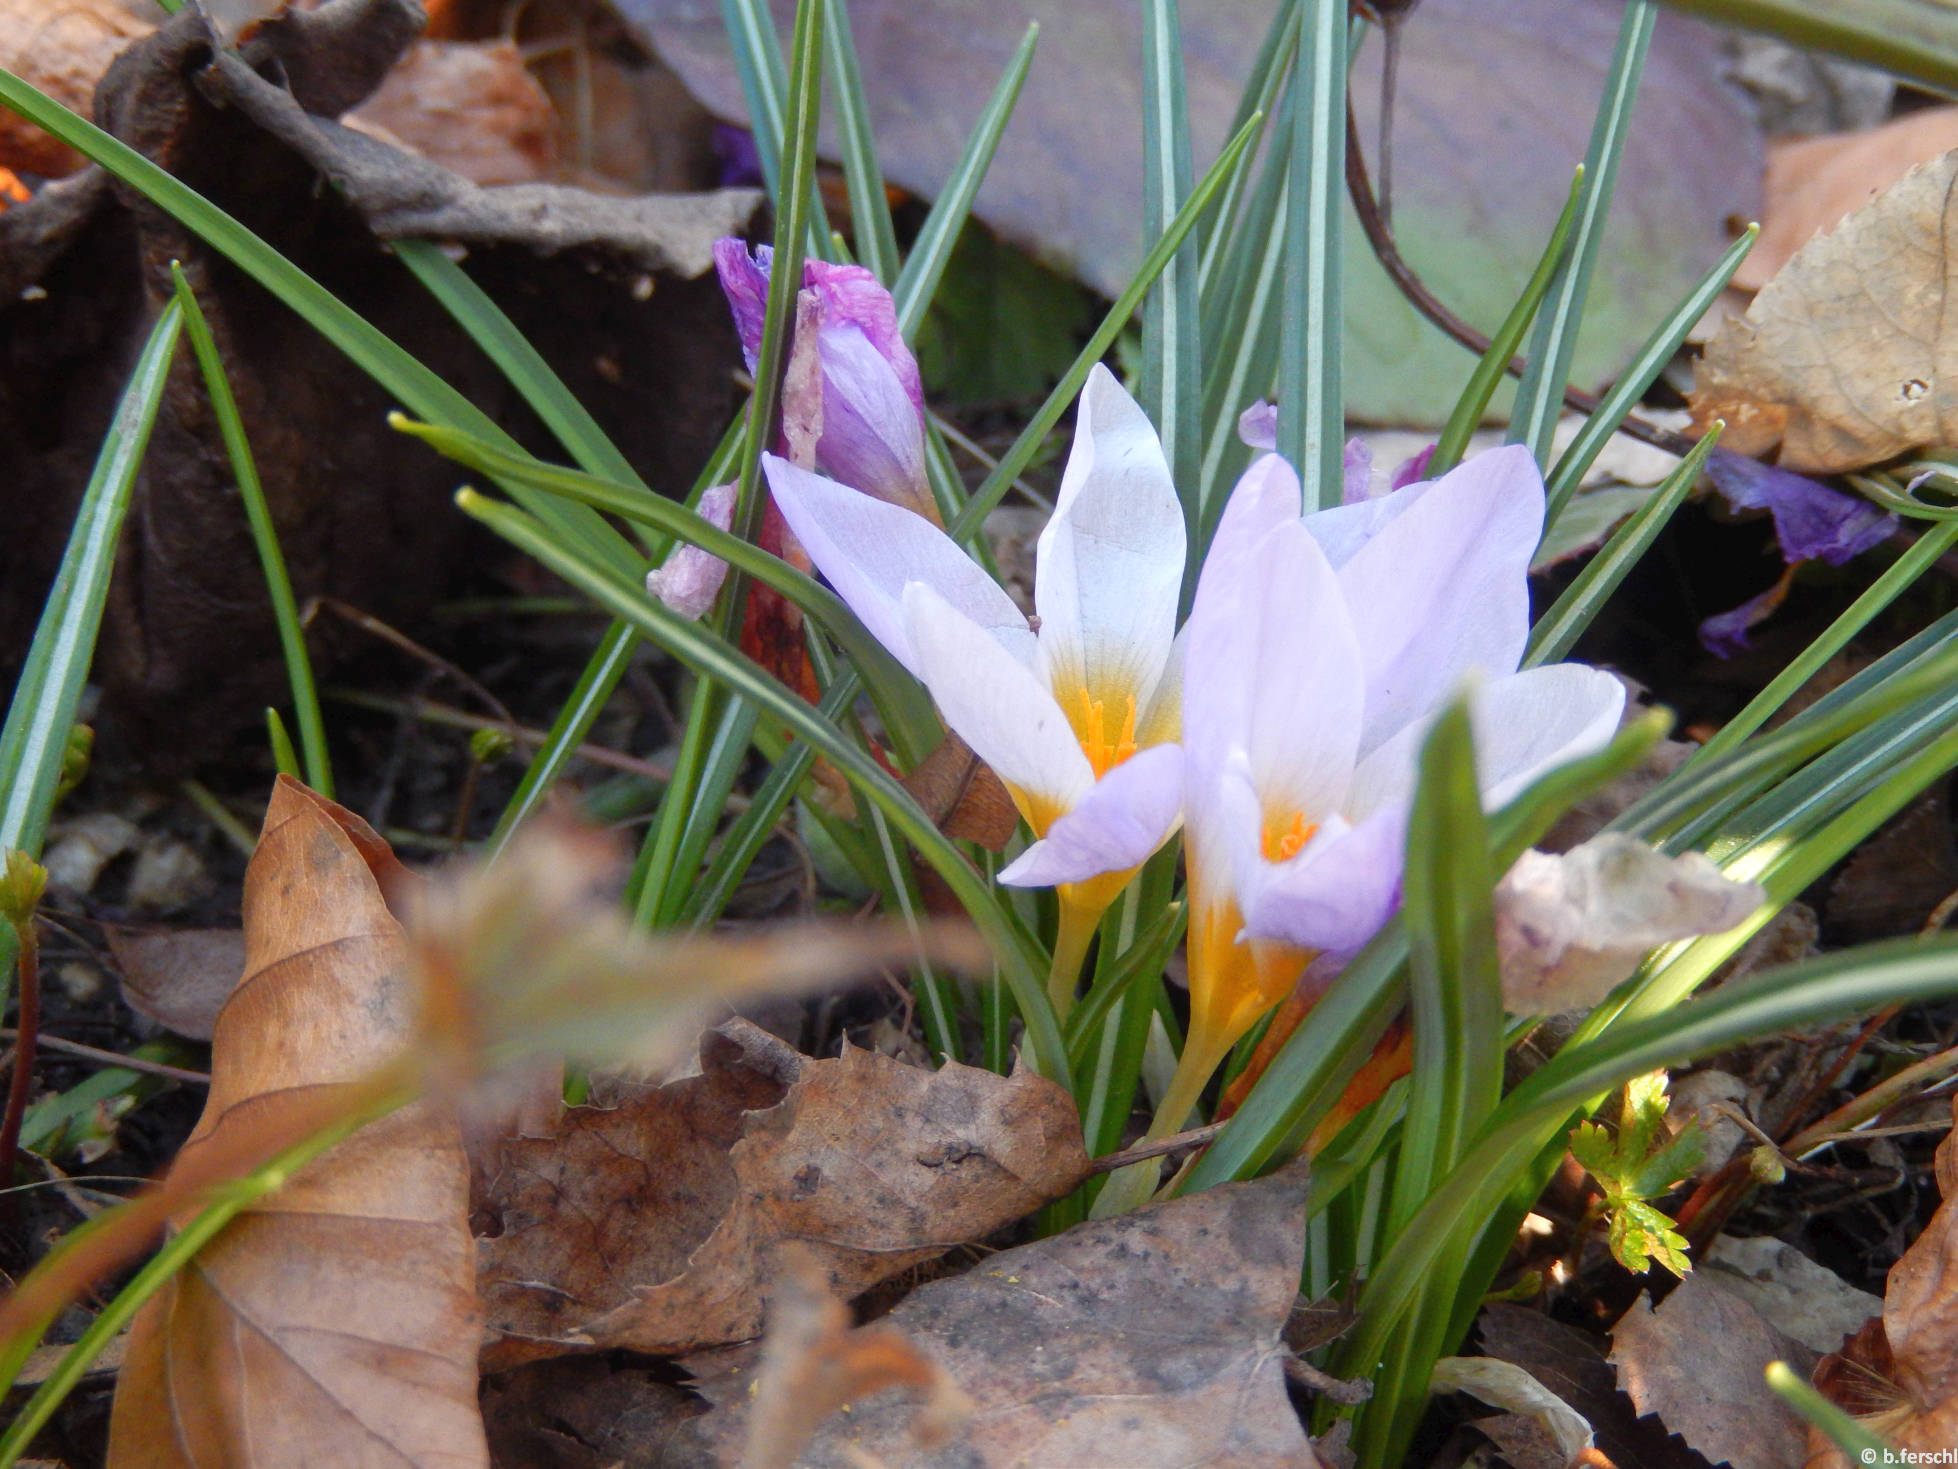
(1569, 928)
(1697, 1362)
(815, 1363)
(1810, 1302)
(60, 47)
(178, 977)
(653, 1225)
(1148, 1340)
(472, 107)
(1843, 359)
(1812, 184)
(334, 1321)
(1503, 1384)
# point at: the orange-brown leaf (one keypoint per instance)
(61, 47)
(335, 1321)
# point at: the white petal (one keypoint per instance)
(871, 550)
(995, 703)
(1343, 529)
(1442, 588)
(1336, 894)
(1110, 561)
(1118, 825)
(1525, 725)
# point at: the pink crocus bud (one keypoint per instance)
(691, 578)
(852, 400)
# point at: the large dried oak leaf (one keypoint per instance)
(1846, 359)
(652, 1225)
(333, 1322)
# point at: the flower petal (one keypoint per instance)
(870, 550)
(744, 281)
(1110, 561)
(1525, 725)
(994, 702)
(1274, 675)
(1442, 587)
(1257, 426)
(689, 579)
(873, 438)
(1117, 825)
(1356, 471)
(1811, 521)
(1336, 894)
(1265, 495)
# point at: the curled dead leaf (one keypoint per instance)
(471, 106)
(1843, 359)
(652, 1225)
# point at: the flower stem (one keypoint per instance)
(1131, 1187)
(1071, 939)
(28, 1031)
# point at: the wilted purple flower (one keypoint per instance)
(1811, 522)
(1257, 426)
(852, 401)
(690, 578)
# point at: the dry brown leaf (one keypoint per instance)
(1697, 1362)
(334, 1322)
(178, 977)
(472, 107)
(965, 799)
(590, 1413)
(652, 1225)
(1152, 1339)
(1910, 1356)
(61, 47)
(1812, 184)
(1842, 360)
(815, 1363)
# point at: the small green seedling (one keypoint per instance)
(1641, 1163)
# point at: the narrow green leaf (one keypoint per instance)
(284, 758)
(1171, 348)
(1311, 416)
(1912, 38)
(1558, 630)
(1540, 395)
(870, 209)
(1469, 408)
(1856, 1442)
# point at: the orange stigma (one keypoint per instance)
(1281, 842)
(1103, 753)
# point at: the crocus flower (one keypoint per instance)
(852, 402)
(1078, 719)
(1319, 650)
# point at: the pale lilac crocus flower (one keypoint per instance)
(1077, 719)
(1319, 651)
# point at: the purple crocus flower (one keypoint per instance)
(852, 402)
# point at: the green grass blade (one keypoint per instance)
(1272, 68)
(769, 90)
(931, 251)
(1311, 413)
(285, 759)
(1912, 38)
(1540, 395)
(1016, 458)
(49, 690)
(1171, 347)
(870, 209)
(1643, 371)
(707, 655)
(1558, 630)
(317, 770)
(1857, 1444)
(1489, 372)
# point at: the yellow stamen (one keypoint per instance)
(1287, 839)
(1091, 729)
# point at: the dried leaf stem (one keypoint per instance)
(22, 1077)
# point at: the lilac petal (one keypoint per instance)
(1811, 521)
(1356, 468)
(744, 281)
(689, 579)
(852, 295)
(872, 435)
(1524, 725)
(1342, 529)
(1257, 425)
(995, 702)
(740, 158)
(1274, 672)
(1413, 469)
(1725, 633)
(1109, 566)
(1337, 893)
(1266, 496)
(1444, 587)
(1118, 825)
(870, 551)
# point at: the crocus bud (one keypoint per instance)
(690, 578)
(856, 411)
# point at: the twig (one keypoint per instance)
(1423, 300)
(1333, 1389)
(115, 1058)
(367, 622)
(1183, 1142)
